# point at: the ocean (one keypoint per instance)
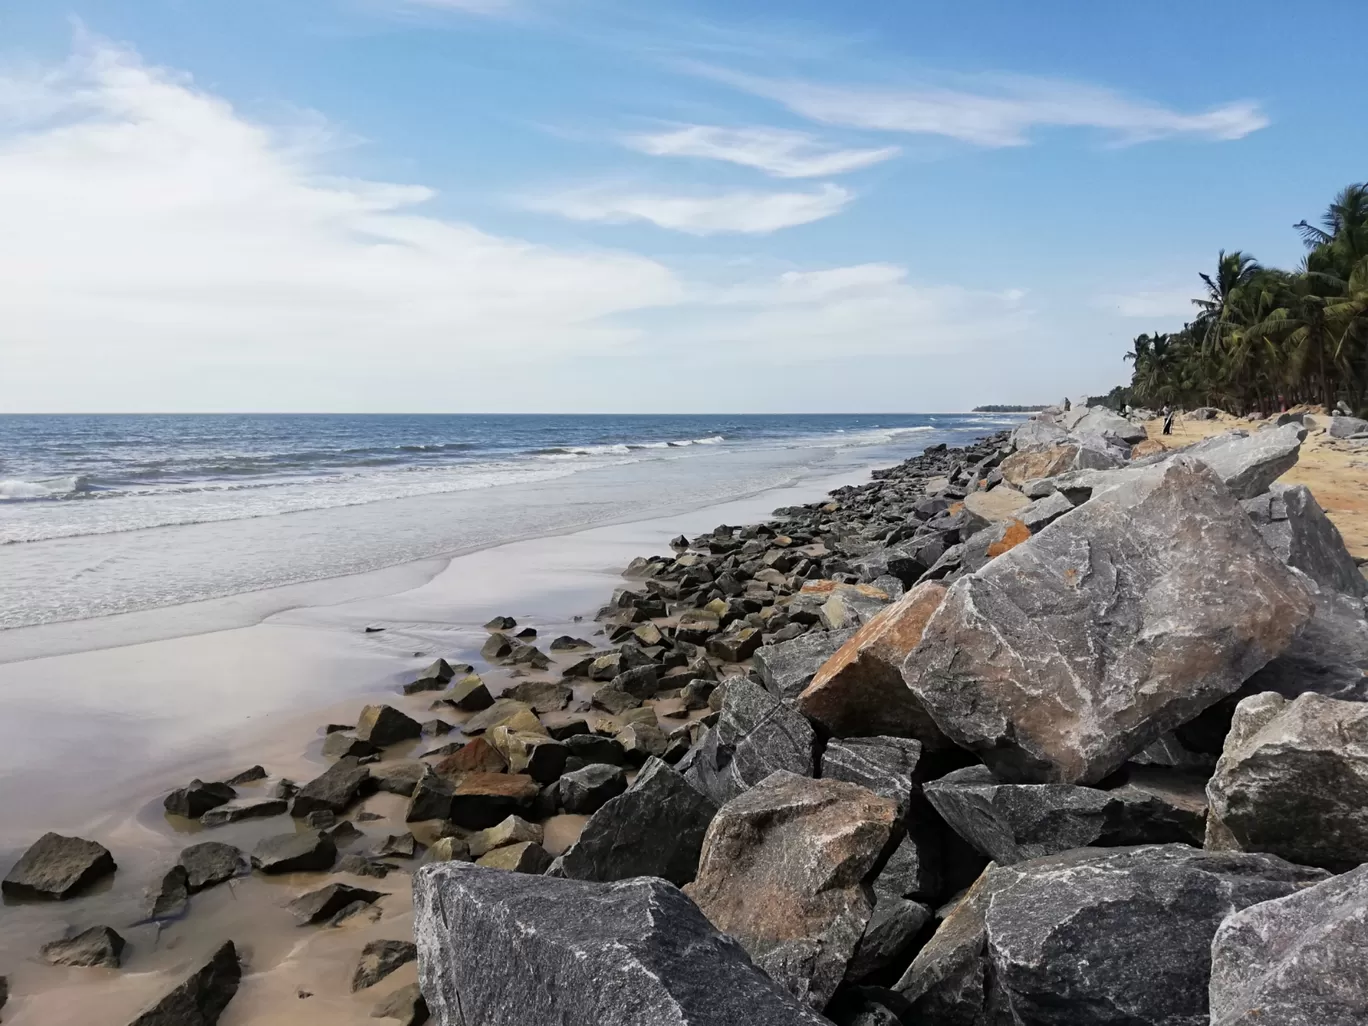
(117, 513)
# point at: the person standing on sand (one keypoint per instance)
(1168, 421)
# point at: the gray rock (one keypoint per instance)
(596, 748)
(469, 694)
(1249, 464)
(913, 869)
(209, 863)
(334, 790)
(783, 869)
(1346, 427)
(621, 954)
(1293, 780)
(309, 851)
(1297, 529)
(1100, 421)
(1124, 620)
(397, 777)
(406, 1004)
(885, 765)
(4, 991)
(1329, 656)
(58, 867)
(434, 678)
(379, 958)
(197, 798)
(397, 846)
(247, 776)
(362, 865)
(614, 700)
(338, 745)
(654, 828)
(99, 946)
(1044, 512)
(542, 695)
(1014, 822)
(1295, 961)
(789, 667)
(756, 734)
(1092, 937)
(235, 812)
(430, 799)
(326, 902)
(524, 857)
(201, 999)
(171, 897)
(586, 790)
(893, 927)
(1036, 431)
(384, 725)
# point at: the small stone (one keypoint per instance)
(448, 849)
(498, 647)
(565, 643)
(309, 851)
(503, 713)
(614, 700)
(201, 999)
(171, 897)
(339, 746)
(237, 813)
(58, 867)
(209, 863)
(334, 790)
(397, 777)
(197, 798)
(431, 798)
(379, 958)
(360, 865)
(406, 1005)
(542, 695)
(501, 623)
(513, 830)
(469, 694)
(536, 754)
(326, 902)
(403, 846)
(436, 728)
(98, 946)
(585, 791)
(247, 776)
(524, 857)
(384, 725)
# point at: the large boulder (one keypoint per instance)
(1293, 780)
(1000, 503)
(201, 999)
(1091, 937)
(885, 765)
(307, 851)
(611, 954)
(783, 870)
(756, 734)
(1014, 822)
(1329, 656)
(1036, 431)
(788, 667)
(332, 791)
(384, 725)
(1249, 464)
(1053, 460)
(654, 828)
(1101, 421)
(58, 867)
(860, 689)
(1295, 961)
(1297, 529)
(1347, 427)
(1117, 623)
(210, 863)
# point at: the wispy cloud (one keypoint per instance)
(739, 212)
(1167, 303)
(777, 152)
(998, 110)
(466, 6)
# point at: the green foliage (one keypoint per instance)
(1264, 337)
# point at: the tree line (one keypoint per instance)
(1264, 337)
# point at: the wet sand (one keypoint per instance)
(93, 740)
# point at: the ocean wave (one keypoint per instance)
(17, 490)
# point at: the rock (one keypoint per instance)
(535, 754)
(640, 682)
(481, 800)
(406, 1005)
(1091, 937)
(1101, 421)
(309, 851)
(1021, 666)
(1036, 431)
(333, 790)
(596, 748)
(668, 965)
(262, 808)
(789, 667)
(4, 991)
(893, 926)
(913, 869)
(1011, 823)
(379, 958)
(585, 791)
(1295, 961)
(1249, 464)
(523, 857)
(171, 898)
(503, 713)
(1297, 529)
(1293, 780)
(397, 777)
(195, 800)
(643, 740)
(448, 849)
(344, 746)
(542, 695)
(654, 828)
(528, 655)
(614, 700)
(201, 999)
(344, 832)
(99, 946)
(58, 867)
(1328, 657)
(397, 846)
(501, 623)
(849, 607)
(209, 863)
(885, 765)
(469, 694)
(434, 678)
(1000, 503)
(782, 871)
(326, 902)
(477, 756)
(735, 645)
(431, 798)
(755, 735)
(1346, 427)
(384, 725)
(285, 788)
(362, 865)
(513, 830)
(1052, 461)
(247, 776)
(860, 689)
(565, 643)
(1041, 513)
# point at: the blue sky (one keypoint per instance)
(594, 205)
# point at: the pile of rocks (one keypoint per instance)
(1040, 731)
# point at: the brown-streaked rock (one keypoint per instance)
(481, 800)
(476, 756)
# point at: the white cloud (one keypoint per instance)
(1169, 303)
(1001, 111)
(739, 212)
(775, 151)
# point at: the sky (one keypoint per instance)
(613, 206)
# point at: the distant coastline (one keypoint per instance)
(1007, 408)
